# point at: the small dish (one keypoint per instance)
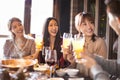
(72, 72)
(60, 72)
(56, 78)
(76, 79)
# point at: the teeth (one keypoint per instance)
(53, 31)
(89, 30)
(19, 31)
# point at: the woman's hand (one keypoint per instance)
(70, 58)
(32, 56)
(87, 60)
(66, 51)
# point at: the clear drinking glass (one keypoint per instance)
(50, 58)
(78, 45)
(39, 42)
(67, 37)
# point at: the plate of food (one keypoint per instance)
(17, 63)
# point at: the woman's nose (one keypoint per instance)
(89, 25)
(54, 27)
(19, 27)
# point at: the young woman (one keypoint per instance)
(52, 39)
(84, 23)
(19, 46)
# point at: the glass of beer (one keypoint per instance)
(78, 45)
(67, 37)
(39, 42)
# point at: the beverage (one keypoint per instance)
(66, 42)
(50, 62)
(39, 42)
(67, 39)
(39, 45)
(78, 46)
(50, 59)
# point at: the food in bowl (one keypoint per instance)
(72, 72)
(61, 72)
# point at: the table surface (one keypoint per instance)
(33, 73)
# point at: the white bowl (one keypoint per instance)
(56, 78)
(60, 72)
(72, 72)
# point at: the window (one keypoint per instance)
(9, 9)
(41, 9)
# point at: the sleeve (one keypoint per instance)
(101, 48)
(109, 66)
(97, 73)
(6, 48)
(33, 47)
(115, 46)
(118, 70)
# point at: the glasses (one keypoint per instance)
(67, 37)
(51, 59)
(78, 45)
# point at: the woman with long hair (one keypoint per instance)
(53, 40)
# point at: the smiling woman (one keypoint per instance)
(19, 46)
(17, 7)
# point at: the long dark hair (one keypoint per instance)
(46, 35)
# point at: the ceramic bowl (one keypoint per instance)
(72, 72)
(60, 72)
(56, 78)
